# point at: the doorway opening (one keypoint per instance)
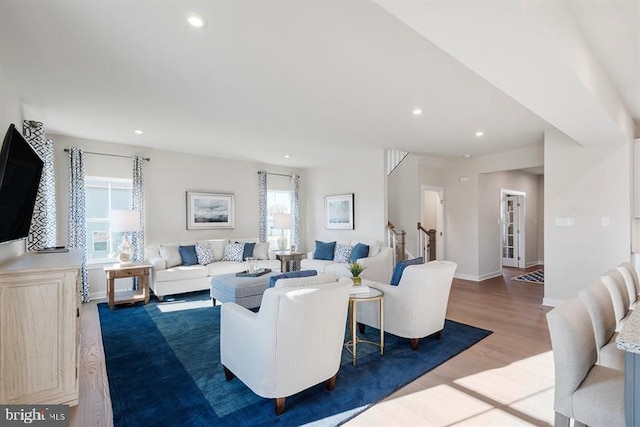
(512, 228)
(433, 215)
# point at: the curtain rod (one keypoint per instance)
(280, 174)
(66, 150)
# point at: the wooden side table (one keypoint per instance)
(117, 271)
(289, 261)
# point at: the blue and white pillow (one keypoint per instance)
(204, 253)
(233, 252)
(342, 253)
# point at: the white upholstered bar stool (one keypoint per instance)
(591, 394)
(617, 288)
(600, 307)
(630, 279)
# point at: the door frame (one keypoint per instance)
(521, 226)
(440, 234)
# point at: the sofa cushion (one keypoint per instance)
(218, 247)
(399, 268)
(291, 275)
(181, 272)
(342, 252)
(324, 250)
(225, 267)
(171, 255)
(315, 264)
(248, 250)
(188, 255)
(261, 251)
(233, 252)
(360, 250)
(204, 252)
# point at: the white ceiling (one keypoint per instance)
(315, 80)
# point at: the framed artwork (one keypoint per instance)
(338, 212)
(210, 210)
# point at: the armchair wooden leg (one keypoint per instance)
(331, 382)
(439, 334)
(160, 298)
(228, 375)
(414, 343)
(213, 300)
(279, 401)
(361, 327)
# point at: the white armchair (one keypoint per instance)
(416, 308)
(294, 342)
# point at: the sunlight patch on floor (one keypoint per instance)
(181, 305)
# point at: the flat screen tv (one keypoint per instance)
(20, 171)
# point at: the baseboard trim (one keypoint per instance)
(540, 262)
(469, 277)
(490, 275)
(551, 302)
(532, 264)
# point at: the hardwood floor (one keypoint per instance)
(506, 379)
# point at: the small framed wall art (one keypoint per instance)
(210, 210)
(339, 212)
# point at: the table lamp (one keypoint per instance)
(125, 221)
(282, 221)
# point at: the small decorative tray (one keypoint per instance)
(259, 272)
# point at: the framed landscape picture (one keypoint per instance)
(339, 212)
(210, 210)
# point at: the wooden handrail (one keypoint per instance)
(397, 238)
(429, 250)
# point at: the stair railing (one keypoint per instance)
(426, 243)
(396, 239)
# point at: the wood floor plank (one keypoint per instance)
(506, 379)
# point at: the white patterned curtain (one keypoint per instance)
(295, 211)
(137, 204)
(77, 213)
(262, 206)
(42, 233)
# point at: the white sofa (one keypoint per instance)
(167, 278)
(379, 263)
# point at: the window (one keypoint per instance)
(278, 201)
(104, 194)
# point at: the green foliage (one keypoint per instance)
(356, 268)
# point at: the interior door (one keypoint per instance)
(510, 232)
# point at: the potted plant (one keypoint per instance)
(356, 268)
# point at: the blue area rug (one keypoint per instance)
(163, 365)
(534, 277)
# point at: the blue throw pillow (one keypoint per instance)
(290, 275)
(359, 251)
(248, 250)
(188, 255)
(324, 250)
(399, 268)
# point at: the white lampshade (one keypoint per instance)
(125, 221)
(281, 221)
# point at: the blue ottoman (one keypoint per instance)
(245, 291)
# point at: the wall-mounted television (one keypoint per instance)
(20, 171)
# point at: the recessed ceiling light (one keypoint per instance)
(479, 133)
(138, 131)
(466, 156)
(417, 111)
(196, 21)
(286, 156)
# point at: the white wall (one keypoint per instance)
(584, 184)
(540, 216)
(462, 208)
(167, 178)
(366, 179)
(490, 186)
(430, 203)
(405, 199)
(10, 112)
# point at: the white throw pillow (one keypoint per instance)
(171, 255)
(233, 252)
(261, 251)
